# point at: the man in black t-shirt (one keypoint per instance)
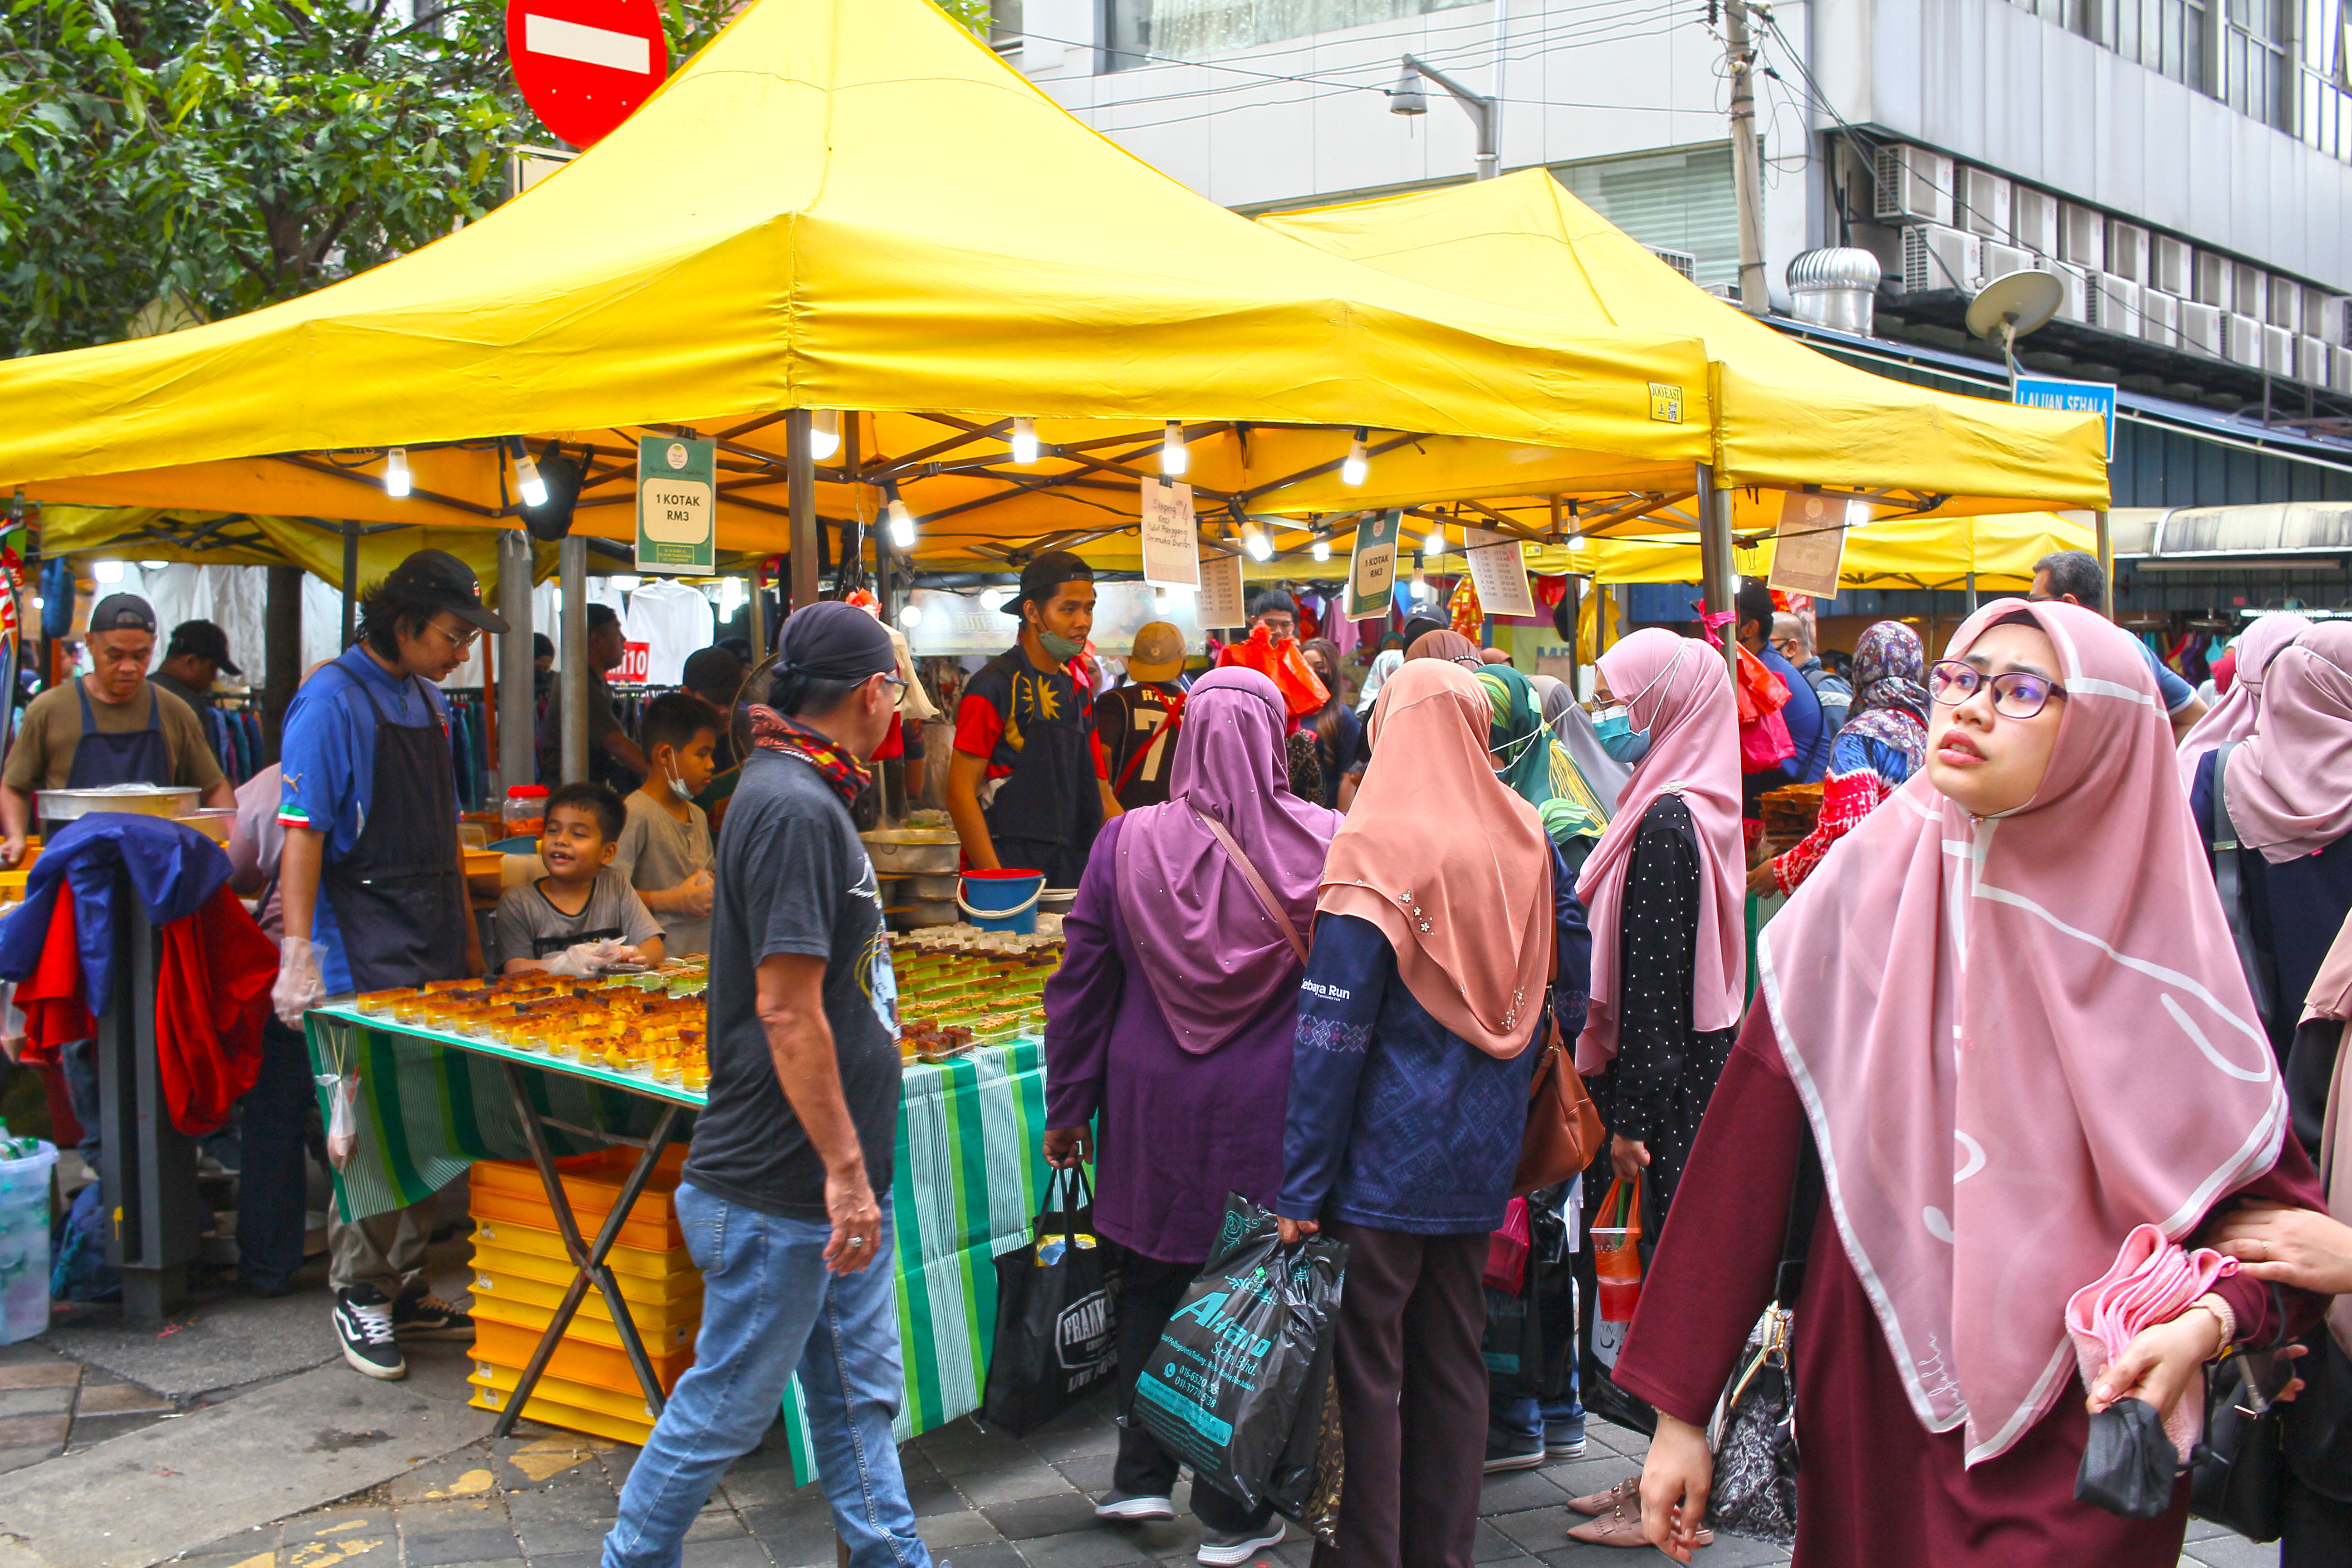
(780, 1195)
(1136, 724)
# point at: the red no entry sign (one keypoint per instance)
(586, 64)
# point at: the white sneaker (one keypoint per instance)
(1127, 1510)
(1219, 1550)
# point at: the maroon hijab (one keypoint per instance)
(1213, 955)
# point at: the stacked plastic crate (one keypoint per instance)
(521, 1271)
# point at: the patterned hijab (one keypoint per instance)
(1890, 699)
(1530, 762)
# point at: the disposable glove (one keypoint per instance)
(299, 987)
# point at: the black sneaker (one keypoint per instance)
(422, 1315)
(363, 1323)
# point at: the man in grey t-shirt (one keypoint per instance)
(779, 1200)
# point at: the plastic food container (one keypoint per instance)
(25, 1243)
(525, 812)
(930, 851)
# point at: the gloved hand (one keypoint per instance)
(586, 958)
(299, 987)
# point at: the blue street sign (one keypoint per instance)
(2073, 396)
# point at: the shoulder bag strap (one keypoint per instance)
(1175, 707)
(1257, 883)
(2228, 882)
(1797, 1239)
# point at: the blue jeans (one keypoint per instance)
(769, 1307)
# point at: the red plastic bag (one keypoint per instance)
(1761, 691)
(1507, 1250)
(1766, 743)
(1282, 663)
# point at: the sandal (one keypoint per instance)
(1621, 1526)
(1599, 1503)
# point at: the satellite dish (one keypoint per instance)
(2009, 307)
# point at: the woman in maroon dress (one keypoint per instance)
(2008, 1015)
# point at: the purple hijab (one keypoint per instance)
(1213, 955)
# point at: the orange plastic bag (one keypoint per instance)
(1761, 691)
(1282, 663)
(1617, 1261)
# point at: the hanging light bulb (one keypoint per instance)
(528, 484)
(1575, 543)
(1434, 545)
(1025, 442)
(1359, 466)
(1857, 513)
(1173, 456)
(625, 583)
(153, 565)
(825, 434)
(395, 473)
(106, 571)
(1322, 547)
(1258, 543)
(911, 617)
(902, 523)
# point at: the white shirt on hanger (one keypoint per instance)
(673, 621)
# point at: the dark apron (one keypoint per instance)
(398, 897)
(1047, 810)
(140, 756)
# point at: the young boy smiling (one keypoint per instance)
(582, 903)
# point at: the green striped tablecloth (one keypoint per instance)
(969, 1176)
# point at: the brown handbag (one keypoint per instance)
(1564, 1128)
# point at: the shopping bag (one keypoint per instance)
(1055, 1337)
(1765, 743)
(1617, 1261)
(1761, 691)
(1531, 1339)
(1234, 1388)
(1507, 1250)
(1282, 663)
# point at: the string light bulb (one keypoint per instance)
(395, 473)
(106, 571)
(902, 523)
(1434, 545)
(1025, 442)
(1357, 467)
(153, 565)
(910, 615)
(528, 484)
(825, 434)
(1322, 550)
(1173, 456)
(626, 584)
(1257, 542)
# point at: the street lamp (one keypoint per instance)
(1406, 97)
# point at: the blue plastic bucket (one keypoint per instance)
(1001, 900)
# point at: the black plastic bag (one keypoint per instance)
(2129, 1464)
(1236, 1387)
(1056, 1338)
(1530, 1338)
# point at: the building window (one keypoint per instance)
(2281, 62)
(1140, 31)
(1679, 200)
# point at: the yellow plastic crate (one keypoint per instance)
(569, 1418)
(511, 1263)
(663, 1264)
(630, 1407)
(660, 1339)
(491, 1283)
(575, 1360)
(493, 1206)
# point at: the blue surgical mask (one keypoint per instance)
(1618, 736)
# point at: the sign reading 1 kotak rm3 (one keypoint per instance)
(677, 505)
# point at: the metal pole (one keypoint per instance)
(518, 748)
(1746, 172)
(350, 582)
(2106, 565)
(281, 650)
(572, 654)
(1482, 109)
(799, 494)
(1714, 551)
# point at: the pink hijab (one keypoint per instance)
(2050, 1002)
(1694, 753)
(2290, 784)
(1211, 953)
(1451, 865)
(2240, 712)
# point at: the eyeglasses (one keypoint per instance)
(2016, 694)
(893, 680)
(462, 644)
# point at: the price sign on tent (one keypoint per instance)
(1221, 590)
(676, 510)
(637, 664)
(1499, 572)
(1172, 536)
(586, 64)
(1809, 545)
(1372, 570)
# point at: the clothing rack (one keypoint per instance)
(232, 726)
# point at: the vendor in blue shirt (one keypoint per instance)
(373, 886)
(1808, 728)
(2076, 577)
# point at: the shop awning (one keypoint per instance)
(854, 205)
(1900, 553)
(2235, 535)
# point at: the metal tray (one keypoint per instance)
(144, 800)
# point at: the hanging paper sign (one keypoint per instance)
(1808, 547)
(1498, 570)
(677, 505)
(637, 664)
(1371, 572)
(1172, 536)
(1221, 590)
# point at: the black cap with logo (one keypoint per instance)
(1041, 577)
(123, 613)
(437, 578)
(204, 639)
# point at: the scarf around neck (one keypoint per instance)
(832, 759)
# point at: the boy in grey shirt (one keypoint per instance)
(583, 915)
(665, 850)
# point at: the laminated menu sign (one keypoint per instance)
(1172, 537)
(1498, 570)
(677, 505)
(1372, 573)
(1220, 603)
(1809, 545)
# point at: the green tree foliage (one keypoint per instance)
(164, 161)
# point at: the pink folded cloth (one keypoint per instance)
(2153, 1282)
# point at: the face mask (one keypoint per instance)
(1060, 646)
(677, 787)
(1618, 736)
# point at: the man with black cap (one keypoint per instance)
(1137, 724)
(197, 656)
(111, 727)
(781, 1197)
(1028, 786)
(373, 887)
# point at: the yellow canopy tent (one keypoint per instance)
(1786, 416)
(838, 206)
(1896, 554)
(228, 539)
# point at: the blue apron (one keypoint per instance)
(140, 756)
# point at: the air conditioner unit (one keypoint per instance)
(2201, 329)
(2216, 281)
(2075, 306)
(2278, 349)
(2339, 370)
(2310, 361)
(1682, 261)
(2127, 250)
(2033, 220)
(1984, 202)
(2286, 304)
(2241, 339)
(2250, 295)
(1914, 183)
(2114, 304)
(2159, 317)
(2334, 324)
(1936, 256)
(2173, 266)
(2083, 237)
(1999, 261)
